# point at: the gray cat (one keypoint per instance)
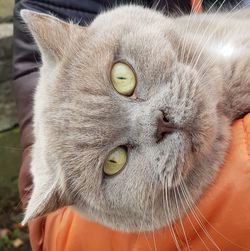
(133, 110)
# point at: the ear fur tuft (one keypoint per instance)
(44, 200)
(52, 35)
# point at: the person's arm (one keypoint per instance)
(25, 77)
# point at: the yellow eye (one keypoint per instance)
(115, 161)
(123, 78)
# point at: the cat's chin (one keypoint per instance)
(124, 223)
(158, 216)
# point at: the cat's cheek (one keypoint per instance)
(179, 176)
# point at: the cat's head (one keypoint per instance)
(124, 115)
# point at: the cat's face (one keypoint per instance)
(80, 118)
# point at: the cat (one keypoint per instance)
(134, 108)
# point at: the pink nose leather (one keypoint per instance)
(164, 127)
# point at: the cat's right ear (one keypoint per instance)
(52, 35)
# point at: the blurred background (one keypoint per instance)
(12, 235)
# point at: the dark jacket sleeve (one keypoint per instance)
(25, 75)
(26, 61)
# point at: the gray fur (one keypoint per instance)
(182, 69)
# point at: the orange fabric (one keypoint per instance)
(225, 209)
(196, 6)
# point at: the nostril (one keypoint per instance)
(164, 127)
(164, 117)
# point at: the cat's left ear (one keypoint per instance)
(47, 195)
(52, 35)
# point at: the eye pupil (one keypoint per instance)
(115, 161)
(123, 78)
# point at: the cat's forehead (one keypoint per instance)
(130, 22)
(146, 49)
(132, 15)
(90, 65)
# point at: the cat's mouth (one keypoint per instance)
(191, 148)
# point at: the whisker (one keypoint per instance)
(166, 210)
(144, 215)
(197, 218)
(182, 226)
(201, 215)
(145, 235)
(201, 23)
(227, 16)
(191, 221)
(153, 233)
(212, 22)
(186, 31)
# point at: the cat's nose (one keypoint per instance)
(164, 127)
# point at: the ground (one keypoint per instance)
(12, 235)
